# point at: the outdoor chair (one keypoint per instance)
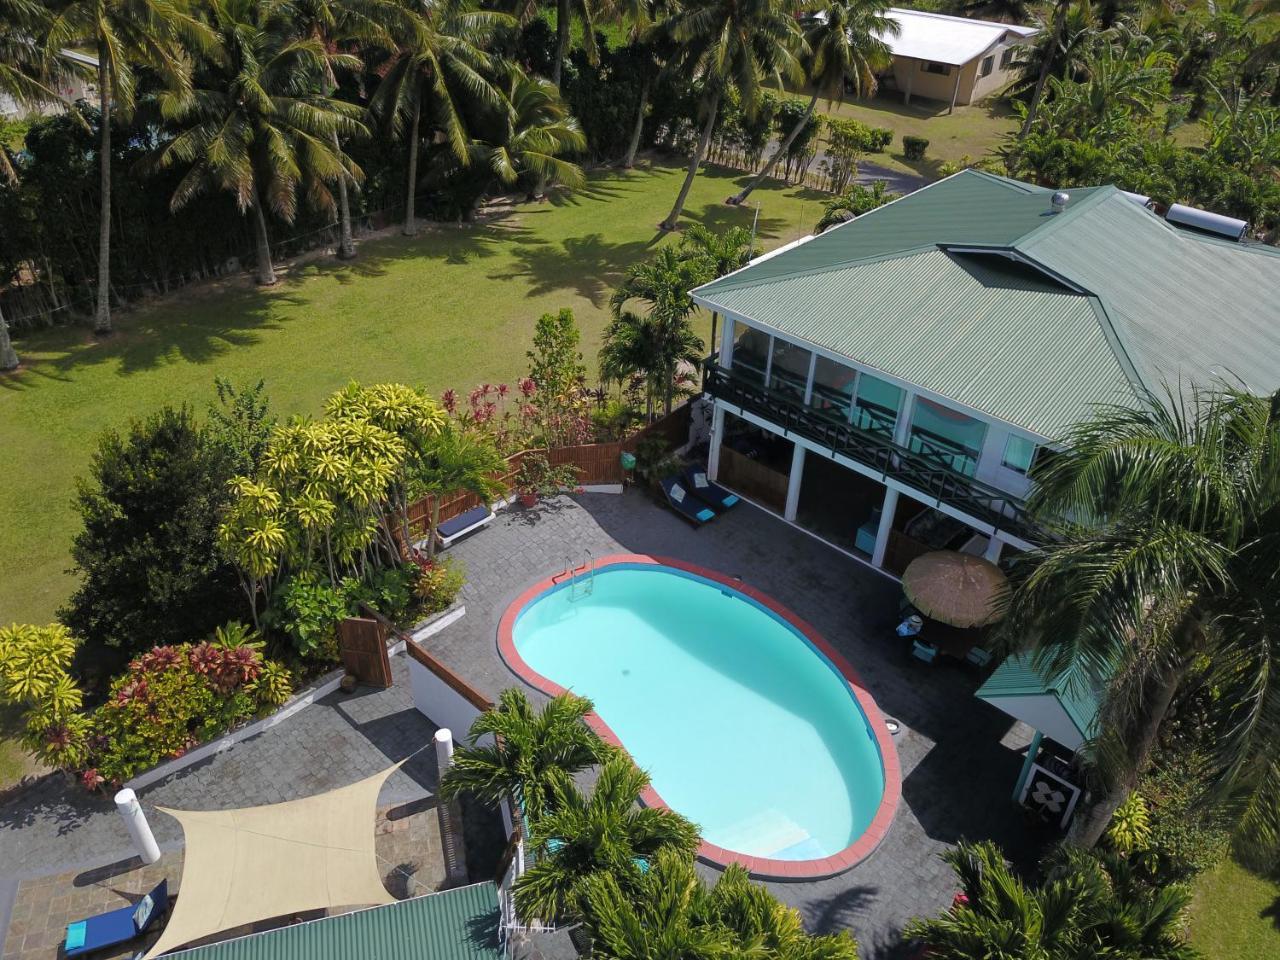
(924, 652)
(117, 926)
(705, 489)
(463, 524)
(685, 503)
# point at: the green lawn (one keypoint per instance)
(451, 308)
(1236, 915)
(972, 131)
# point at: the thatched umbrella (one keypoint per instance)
(956, 588)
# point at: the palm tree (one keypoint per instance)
(126, 35)
(457, 461)
(607, 832)
(257, 128)
(566, 11)
(1166, 578)
(645, 19)
(439, 69)
(538, 129)
(529, 749)
(843, 44)
(723, 43)
(656, 343)
(723, 253)
(665, 918)
(1051, 43)
(762, 926)
(335, 24)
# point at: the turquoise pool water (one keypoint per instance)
(743, 725)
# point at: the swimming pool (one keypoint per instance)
(748, 722)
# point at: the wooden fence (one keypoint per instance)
(596, 463)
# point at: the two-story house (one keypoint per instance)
(888, 384)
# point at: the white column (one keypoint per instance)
(713, 450)
(887, 511)
(444, 750)
(726, 341)
(902, 429)
(136, 822)
(993, 549)
(808, 383)
(793, 483)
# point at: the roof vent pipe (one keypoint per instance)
(1141, 199)
(1058, 202)
(1228, 227)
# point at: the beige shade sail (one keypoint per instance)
(956, 588)
(255, 863)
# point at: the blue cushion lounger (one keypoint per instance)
(116, 926)
(463, 523)
(705, 489)
(685, 503)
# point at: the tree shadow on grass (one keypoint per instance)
(590, 266)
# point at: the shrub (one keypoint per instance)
(175, 697)
(33, 675)
(150, 569)
(390, 591)
(1130, 830)
(913, 148)
(308, 611)
(439, 584)
(854, 202)
(1188, 834)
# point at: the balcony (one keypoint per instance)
(928, 471)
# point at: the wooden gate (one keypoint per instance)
(362, 645)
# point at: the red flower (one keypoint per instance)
(527, 387)
(90, 779)
(449, 400)
(503, 390)
(158, 658)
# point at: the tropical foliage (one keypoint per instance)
(34, 675)
(1164, 583)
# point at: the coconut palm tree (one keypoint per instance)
(645, 22)
(539, 128)
(529, 749)
(126, 35)
(630, 348)
(843, 45)
(739, 43)
(585, 11)
(439, 70)
(605, 832)
(337, 24)
(1166, 579)
(257, 127)
(665, 917)
(457, 461)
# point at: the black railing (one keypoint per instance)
(932, 476)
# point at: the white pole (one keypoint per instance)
(444, 749)
(136, 822)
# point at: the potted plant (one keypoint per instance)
(536, 477)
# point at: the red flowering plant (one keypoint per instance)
(510, 426)
(173, 698)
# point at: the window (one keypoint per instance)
(1021, 454)
(947, 436)
(876, 405)
(1006, 58)
(751, 355)
(988, 63)
(941, 69)
(832, 388)
(789, 369)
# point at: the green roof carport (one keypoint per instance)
(459, 924)
(1062, 706)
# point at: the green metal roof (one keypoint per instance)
(982, 331)
(1018, 676)
(1133, 302)
(460, 924)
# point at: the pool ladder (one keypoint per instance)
(582, 580)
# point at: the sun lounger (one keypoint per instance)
(685, 503)
(706, 490)
(117, 926)
(463, 524)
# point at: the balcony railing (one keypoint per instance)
(932, 476)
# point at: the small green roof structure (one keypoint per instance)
(459, 924)
(1063, 706)
(980, 289)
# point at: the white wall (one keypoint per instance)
(439, 702)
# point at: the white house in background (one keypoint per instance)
(888, 384)
(77, 85)
(953, 59)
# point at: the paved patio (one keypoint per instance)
(959, 756)
(410, 855)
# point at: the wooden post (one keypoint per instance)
(955, 91)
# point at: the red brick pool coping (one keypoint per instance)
(763, 867)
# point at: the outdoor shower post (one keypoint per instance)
(444, 750)
(136, 822)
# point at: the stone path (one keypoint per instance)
(959, 756)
